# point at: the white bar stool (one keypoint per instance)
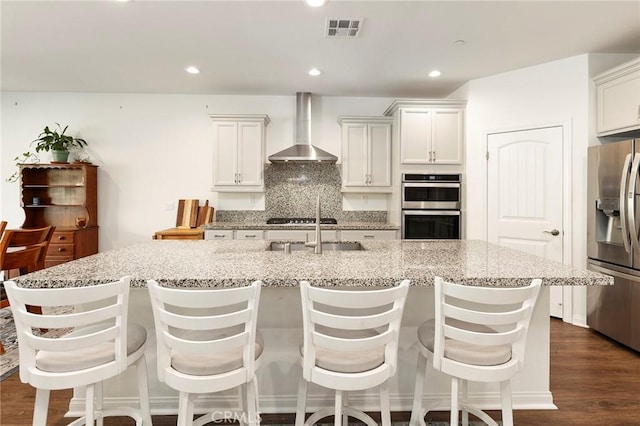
(350, 344)
(101, 345)
(479, 334)
(208, 342)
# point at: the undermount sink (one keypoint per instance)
(328, 246)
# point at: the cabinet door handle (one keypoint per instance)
(239, 178)
(430, 156)
(61, 237)
(250, 236)
(235, 178)
(218, 236)
(434, 156)
(61, 249)
(369, 236)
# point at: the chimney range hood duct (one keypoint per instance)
(303, 151)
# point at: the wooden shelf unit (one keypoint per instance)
(58, 194)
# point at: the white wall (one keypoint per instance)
(559, 92)
(154, 149)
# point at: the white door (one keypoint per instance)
(525, 194)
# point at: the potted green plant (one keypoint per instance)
(27, 158)
(58, 143)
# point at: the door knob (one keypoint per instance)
(553, 232)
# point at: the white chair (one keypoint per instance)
(101, 345)
(479, 334)
(350, 344)
(208, 342)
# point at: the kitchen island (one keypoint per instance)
(381, 263)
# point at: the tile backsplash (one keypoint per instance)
(291, 190)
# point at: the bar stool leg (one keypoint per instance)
(302, 402)
(385, 410)
(338, 409)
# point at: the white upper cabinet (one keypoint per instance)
(431, 131)
(238, 152)
(366, 154)
(618, 93)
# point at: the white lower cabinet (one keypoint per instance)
(218, 234)
(249, 235)
(300, 235)
(359, 235)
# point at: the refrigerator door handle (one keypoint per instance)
(624, 183)
(631, 203)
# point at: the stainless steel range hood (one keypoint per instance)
(303, 151)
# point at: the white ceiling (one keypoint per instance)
(267, 47)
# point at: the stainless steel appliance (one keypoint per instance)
(613, 239)
(303, 151)
(431, 206)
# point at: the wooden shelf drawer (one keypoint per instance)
(61, 251)
(63, 237)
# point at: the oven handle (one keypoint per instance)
(431, 212)
(430, 185)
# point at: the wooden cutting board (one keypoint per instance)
(205, 214)
(187, 213)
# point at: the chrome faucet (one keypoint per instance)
(317, 244)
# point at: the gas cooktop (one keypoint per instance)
(300, 220)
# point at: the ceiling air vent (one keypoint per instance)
(343, 27)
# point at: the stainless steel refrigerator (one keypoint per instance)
(613, 239)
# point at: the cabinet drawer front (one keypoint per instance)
(63, 237)
(61, 251)
(48, 263)
(367, 235)
(249, 235)
(300, 235)
(218, 234)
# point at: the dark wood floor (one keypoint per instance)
(594, 380)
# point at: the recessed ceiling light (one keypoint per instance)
(435, 73)
(314, 72)
(315, 3)
(459, 43)
(193, 70)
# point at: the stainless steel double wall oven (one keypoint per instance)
(431, 205)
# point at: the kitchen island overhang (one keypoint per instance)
(383, 263)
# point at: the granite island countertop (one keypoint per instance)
(202, 263)
(369, 226)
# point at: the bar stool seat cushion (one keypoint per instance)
(61, 362)
(348, 362)
(467, 353)
(206, 364)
